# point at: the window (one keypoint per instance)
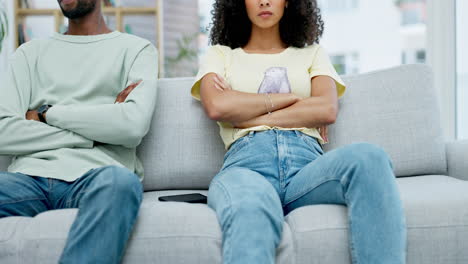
(345, 63)
(420, 56)
(373, 35)
(413, 56)
(411, 16)
(412, 11)
(339, 63)
(337, 5)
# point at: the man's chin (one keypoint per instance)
(68, 4)
(74, 9)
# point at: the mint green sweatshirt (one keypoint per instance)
(81, 77)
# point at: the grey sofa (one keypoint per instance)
(394, 108)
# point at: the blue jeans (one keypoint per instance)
(108, 199)
(268, 174)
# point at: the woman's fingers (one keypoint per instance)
(323, 130)
(218, 84)
(222, 82)
(225, 83)
(325, 133)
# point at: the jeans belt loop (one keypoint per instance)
(297, 133)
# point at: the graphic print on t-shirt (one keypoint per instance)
(275, 81)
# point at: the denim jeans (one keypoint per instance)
(108, 199)
(268, 174)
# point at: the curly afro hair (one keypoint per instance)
(301, 23)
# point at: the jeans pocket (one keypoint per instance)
(236, 146)
(312, 143)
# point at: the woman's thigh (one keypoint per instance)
(327, 179)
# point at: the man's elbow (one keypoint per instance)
(132, 141)
(135, 133)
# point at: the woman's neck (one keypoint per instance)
(262, 39)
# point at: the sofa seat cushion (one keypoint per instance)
(436, 209)
(189, 228)
(165, 232)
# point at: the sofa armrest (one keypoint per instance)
(457, 159)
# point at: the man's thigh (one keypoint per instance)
(22, 195)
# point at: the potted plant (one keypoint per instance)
(3, 24)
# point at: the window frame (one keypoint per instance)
(441, 56)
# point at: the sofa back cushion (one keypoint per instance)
(396, 109)
(183, 149)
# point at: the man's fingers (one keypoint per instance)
(132, 86)
(127, 91)
(122, 96)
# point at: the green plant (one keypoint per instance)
(186, 52)
(3, 24)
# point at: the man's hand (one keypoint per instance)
(32, 115)
(123, 94)
(323, 130)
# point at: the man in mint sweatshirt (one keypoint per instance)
(73, 109)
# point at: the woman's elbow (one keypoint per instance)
(214, 111)
(331, 114)
(213, 114)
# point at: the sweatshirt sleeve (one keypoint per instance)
(117, 124)
(19, 136)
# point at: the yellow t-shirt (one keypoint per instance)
(288, 71)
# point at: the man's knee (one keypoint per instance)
(121, 181)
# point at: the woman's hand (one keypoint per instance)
(323, 130)
(220, 83)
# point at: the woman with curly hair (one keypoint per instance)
(273, 91)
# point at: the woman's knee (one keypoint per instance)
(367, 154)
(242, 190)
